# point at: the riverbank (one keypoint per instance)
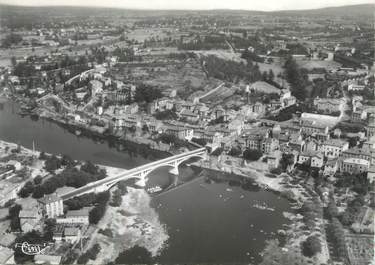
(133, 223)
(295, 233)
(257, 171)
(80, 128)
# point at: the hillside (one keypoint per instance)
(363, 10)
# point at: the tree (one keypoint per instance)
(252, 155)
(116, 198)
(275, 255)
(135, 255)
(52, 163)
(311, 246)
(332, 208)
(271, 75)
(11, 39)
(234, 151)
(99, 210)
(38, 180)
(49, 227)
(264, 76)
(166, 115)
(13, 61)
(89, 254)
(13, 215)
(67, 161)
(199, 141)
(145, 128)
(336, 234)
(96, 214)
(286, 160)
(26, 190)
(38, 192)
(146, 93)
(353, 141)
(296, 79)
(89, 167)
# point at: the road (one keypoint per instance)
(211, 91)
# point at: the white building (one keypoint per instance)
(355, 165)
(355, 87)
(333, 148)
(51, 205)
(72, 234)
(29, 220)
(75, 217)
(313, 159)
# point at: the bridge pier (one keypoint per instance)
(140, 172)
(142, 182)
(174, 170)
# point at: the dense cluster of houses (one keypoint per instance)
(308, 138)
(69, 226)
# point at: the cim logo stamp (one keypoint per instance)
(32, 249)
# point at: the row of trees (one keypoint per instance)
(171, 139)
(53, 162)
(336, 234)
(13, 215)
(297, 78)
(252, 155)
(146, 93)
(84, 200)
(251, 56)
(70, 176)
(357, 182)
(166, 115)
(99, 200)
(311, 246)
(89, 254)
(99, 210)
(11, 39)
(205, 43)
(248, 154)
(230, 70)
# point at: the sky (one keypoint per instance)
(263, 5)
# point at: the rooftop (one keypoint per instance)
(357, 161)
(28, 214)
(335, 142)
(358, 151)
(71, 231)
(312, 154)
(75, 213)
(49, 199)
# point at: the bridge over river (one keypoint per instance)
(140, 172)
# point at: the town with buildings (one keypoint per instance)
(284, 99)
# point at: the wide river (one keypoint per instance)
(206, 222)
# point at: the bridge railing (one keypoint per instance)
(162, 161)
(133, 171)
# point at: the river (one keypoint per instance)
(207, 221)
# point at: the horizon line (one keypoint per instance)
(186, 9)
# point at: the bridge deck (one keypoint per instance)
(130, 173)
